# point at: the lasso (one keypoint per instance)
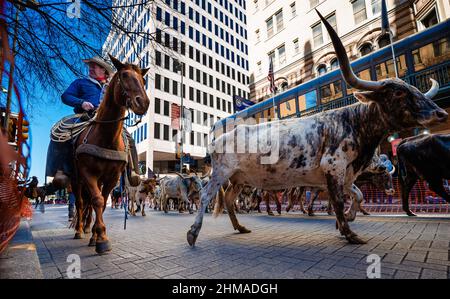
(64, 130)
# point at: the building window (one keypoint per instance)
(192, 137)
(279, 19)
(430, 19)
(259, 68)
(166, 108)
(321, 69)
(317, 34)
(158, 81)
(313, 3)
(383, 41)
(157, 131)
(365, 49)
(376, 6)
(359, 11)
(334, 64)
(166, 132)
(157, 106)
(269, 23)
(296, 46)
(158, 58)
(282, 54)
(293, 10)
(166, 84)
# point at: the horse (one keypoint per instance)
(101, 149)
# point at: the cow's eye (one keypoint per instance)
(399, 93)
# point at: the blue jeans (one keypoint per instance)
(71, 205)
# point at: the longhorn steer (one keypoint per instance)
(327, 150)
(179, 187)
(427, 157)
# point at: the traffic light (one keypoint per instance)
(12, 130)
(25, 129)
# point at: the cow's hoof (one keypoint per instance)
(143, 214)
(304, 212)
(287, 210)
(191, 238)
(92, 242)
(102, 247)
(191, 211)
(87, 230)
(366, 213)
(311, 213)
(78, 236)
(243, 230)
(354, 239)
(409, 213)
(270, 213)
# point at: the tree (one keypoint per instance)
(53, 37)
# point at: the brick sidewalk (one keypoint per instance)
(287, 246)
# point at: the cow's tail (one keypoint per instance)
(220, 202)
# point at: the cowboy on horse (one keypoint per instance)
(85, 95)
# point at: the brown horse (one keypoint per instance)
(101, 152)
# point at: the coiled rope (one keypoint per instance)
(68, 127)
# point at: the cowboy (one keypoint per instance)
(85, 95)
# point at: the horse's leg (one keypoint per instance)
(230, 196)
(79, 208)
(102, 244)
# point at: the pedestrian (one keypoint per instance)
(71, 202)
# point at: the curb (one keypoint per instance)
(20, 259)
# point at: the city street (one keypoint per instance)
(286, 246)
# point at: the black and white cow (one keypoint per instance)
(327, 150)
(426, 157)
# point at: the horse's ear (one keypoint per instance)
(119, 65)
(144, 71)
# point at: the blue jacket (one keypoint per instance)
(82, 90)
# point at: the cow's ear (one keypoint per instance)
(366, 96)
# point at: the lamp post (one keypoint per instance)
(180, 68)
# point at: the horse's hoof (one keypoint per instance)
(366, 213)
(92, 242)
(143, 214)
(102, 247)
(191, 238)
(270, 213)
(311, 214)
(409, 213)
(87, 230)
(354, 239)
(191, 212)
(244, 230)
(78, 236)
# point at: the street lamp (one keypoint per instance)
(179, 67)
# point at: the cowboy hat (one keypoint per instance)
(101, 62)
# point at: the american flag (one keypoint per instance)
(271, 77)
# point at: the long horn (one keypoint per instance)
(344, 64)
(433, 90)
(392, 171)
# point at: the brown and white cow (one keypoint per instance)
(327, 150)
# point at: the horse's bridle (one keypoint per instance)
(127, 105)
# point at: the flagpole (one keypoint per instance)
(273, 103)
(393, 54)
(385, 27)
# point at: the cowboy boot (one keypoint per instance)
(60, 180)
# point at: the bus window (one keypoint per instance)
(287, 108)
(218, 132)
(365, 75)
(330, 91)
(386, 69)
(431, 54)
(308, 100)
(268, 114)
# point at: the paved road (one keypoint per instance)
(287, 246)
